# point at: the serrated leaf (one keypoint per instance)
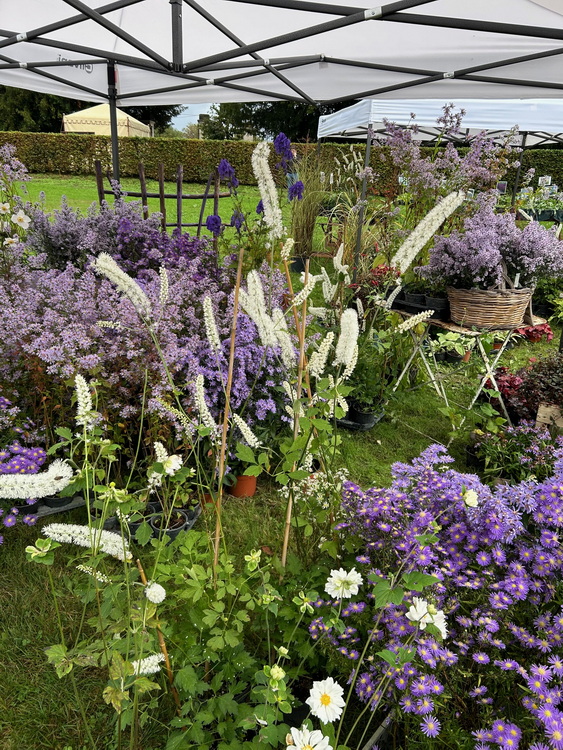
(418, 581)
(64, 432)
(244, 453)
(388, 656)
(115, 696)
(144, 533)
(186, 679)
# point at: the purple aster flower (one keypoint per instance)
(430, 726)
(296, 191)
(424, 706)
(30, 519)
(9, 520)
(407, 704)
(481, 658)
(214, 224)
(478, 691)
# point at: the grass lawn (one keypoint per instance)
(39, 711)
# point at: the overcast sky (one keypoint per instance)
(189, 115)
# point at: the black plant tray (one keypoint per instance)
(441, 315)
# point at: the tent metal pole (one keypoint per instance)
(177, 42)
(112, 98)
(519, 170)
(361, 212)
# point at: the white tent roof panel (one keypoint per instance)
(532, 116)
(314, 49)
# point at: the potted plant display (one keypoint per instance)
(453, 346)
(492, 266)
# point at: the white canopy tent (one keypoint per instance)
(540, 119)
(158, 52)
(97, 120)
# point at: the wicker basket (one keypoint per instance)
(499, 308)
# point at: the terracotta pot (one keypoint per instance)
(467, 356)
(244, 487)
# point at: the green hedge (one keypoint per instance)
(66, 153)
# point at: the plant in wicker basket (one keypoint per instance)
(492, 266)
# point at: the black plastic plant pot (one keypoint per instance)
(56, 501)
(362, 417)
(414, 299)
(144, 515)
(436, 303)
(179, 521)
(25, 508)
(297, 264)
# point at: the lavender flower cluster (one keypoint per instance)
(498, 558)
(493, 246)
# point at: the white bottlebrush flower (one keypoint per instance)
(21, 219)
(295, 407)
(317, 361)
(253, 303)
(301, 296)
(45, 483)
(425, 230)
(210, 325)
(342, 584)
(187, 425)
(95, 539)
(305, 739)
(163, 273)
(84, 406)
(329, 289)
(414, 320)
(351, 366)
(106, 266)
(109, 324)
(249, 437)
(339, 267)
(288, 353)
(201, 404)
(287, 248)
(393, 296)
(155, 593)
(160, 452)
(325, 700)
(5, 208)
(148, 665)
(348, 339)
(318, 312)
(101, 577)
(268, 190)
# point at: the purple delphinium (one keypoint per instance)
(260, 207)
(296, 191)
(214, 224)
(226, 172)
(237, 220)
(282, 146)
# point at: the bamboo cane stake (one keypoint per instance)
(163, 649)
(228, 388)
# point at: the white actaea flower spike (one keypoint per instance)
(45, 483)
(106, 266)
(348, 339)
(210, 325)
(268, 190)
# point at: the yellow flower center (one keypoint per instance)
(326, 700)
(308, 747)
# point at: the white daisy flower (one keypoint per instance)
(21, 219)
(4, 208)
(342, 584)
(304, 739)
(325, 700)
(418, 612)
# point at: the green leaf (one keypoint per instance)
(186, 679)
(418, 581)
(425, 539)
(57, 655)
(387, 656)
(253, 471)
(64, 432)
(143, 533)
(244, 453)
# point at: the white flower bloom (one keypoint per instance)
(439, 620)
(414, 320)
(348, 339)
(187, 425)
(301, 296)
(84, 405)
(101, 577)
(43, 484)
(329, 289)
(148, 665)
(5, 208)
(349, 369)
(201, 404)
(249, 437)
(317, 361)
(163, 297)
(425, 230)
(106, 266)
(284, 339)
(210, 325)
(95, 539)
(109, 324)
(268, 190)
(9, 241)
(318, 312)
(277, 673)
(304, 739)
(155, 593)
(393, 296)
(342, 584)
(21, 219)
(283, 651)
(325, 700)
(338, 266)
(253, 303)
(160, 451)
(418, 612)
(471, 499)
(287, 249)
(172, 465)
